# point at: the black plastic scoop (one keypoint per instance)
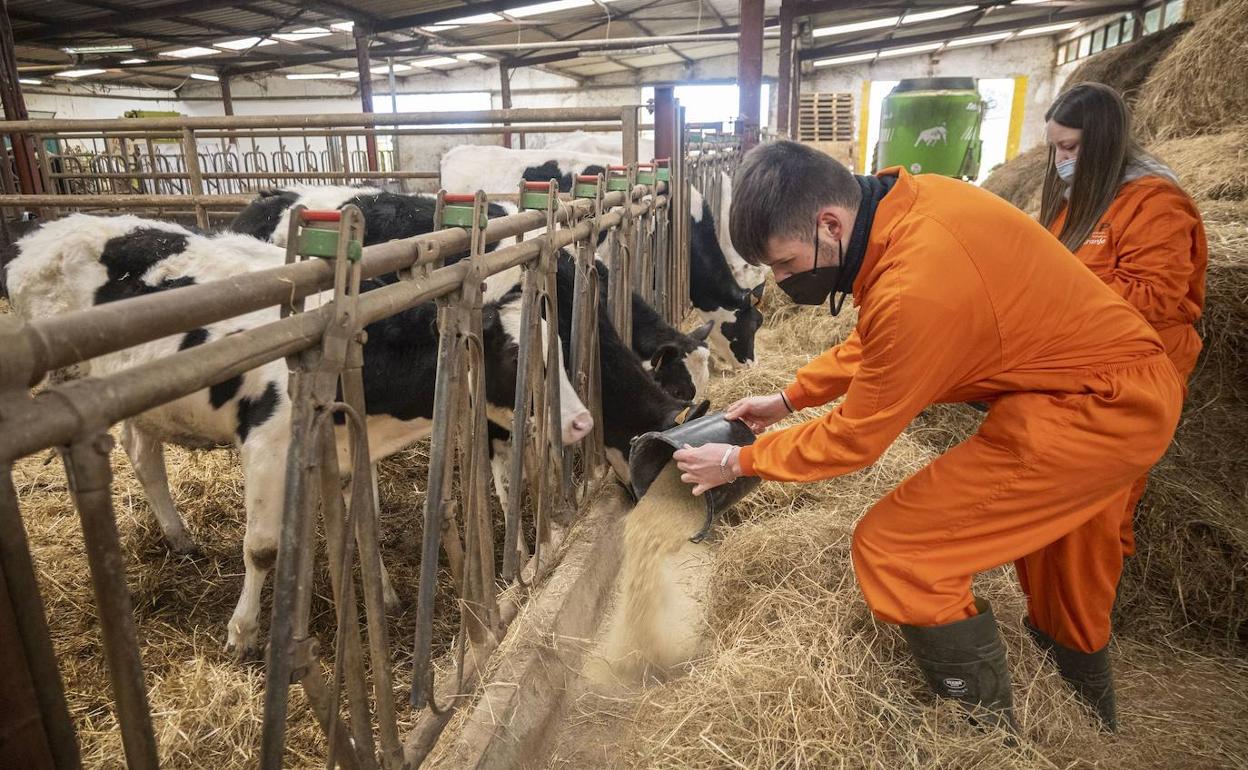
(652, 451)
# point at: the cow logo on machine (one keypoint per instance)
(930, 137)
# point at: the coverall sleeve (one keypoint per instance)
(827, 377)
(910, 355)
(1153, 264)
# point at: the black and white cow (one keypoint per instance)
(716, 294)
(81, 261)
(387, 216)
(679, 362)
(633, 403)
(724, 289)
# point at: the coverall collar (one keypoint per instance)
(892, 209)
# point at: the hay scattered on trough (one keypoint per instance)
(1198, 87)
(1126, 67)
(1019, 180)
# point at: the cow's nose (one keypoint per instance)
(578, 428)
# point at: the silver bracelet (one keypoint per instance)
(723, 464)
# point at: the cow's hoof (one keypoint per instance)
(183, 546)
(242, 646)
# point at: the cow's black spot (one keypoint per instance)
(192, 338)
(220, 394)
(253, 412)
(127, 257)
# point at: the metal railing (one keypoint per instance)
(163, 164)
(323, 347)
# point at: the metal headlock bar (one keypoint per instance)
(323, 344)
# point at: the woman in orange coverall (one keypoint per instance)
(1122, 212)
(960, 297)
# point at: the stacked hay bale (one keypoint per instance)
(1198, 88)
(1126, 68)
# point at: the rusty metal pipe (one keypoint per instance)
(521, 115)
(32, 628)
(90, 476)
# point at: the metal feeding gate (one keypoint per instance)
(198, 165)
(323, 346)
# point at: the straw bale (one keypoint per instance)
(1198, 87)
(1212, 167)
(1126, 67)
(1019, 180)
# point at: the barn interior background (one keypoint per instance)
(182, 111)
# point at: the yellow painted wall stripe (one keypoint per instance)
(1017, 109)
(864, 116)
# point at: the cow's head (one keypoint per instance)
(732, 338)
(682, 368)
(502, 349)
(260, 218)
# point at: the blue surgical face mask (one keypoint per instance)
(1066, 169)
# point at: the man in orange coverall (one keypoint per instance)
(960, 297)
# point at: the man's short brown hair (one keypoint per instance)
(778, 192)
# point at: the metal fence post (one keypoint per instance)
(191, 155)
(90, 478)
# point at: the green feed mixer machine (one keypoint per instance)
(931, 126)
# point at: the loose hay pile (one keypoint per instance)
(1198, 87)
(1191, 571)
(206, 708)
(800, 675)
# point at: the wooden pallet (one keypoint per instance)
(826, 117)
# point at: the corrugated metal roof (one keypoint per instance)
(42, 28)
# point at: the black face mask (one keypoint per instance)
(813, 286)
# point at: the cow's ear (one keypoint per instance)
(698, 410)
(665, 354)
(756, 295)
(702, 332)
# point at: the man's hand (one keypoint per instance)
(701, 466)
(759, 412)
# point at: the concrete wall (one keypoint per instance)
(89, 103)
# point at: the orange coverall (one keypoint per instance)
(1150, 249)
(962, 297)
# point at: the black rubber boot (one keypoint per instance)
(965, 660)
(1088, 673)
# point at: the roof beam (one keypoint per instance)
(119, 19)
(1075, 14)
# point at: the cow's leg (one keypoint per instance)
(264, 482)
(147, 455)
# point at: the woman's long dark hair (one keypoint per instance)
(1105, 148)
